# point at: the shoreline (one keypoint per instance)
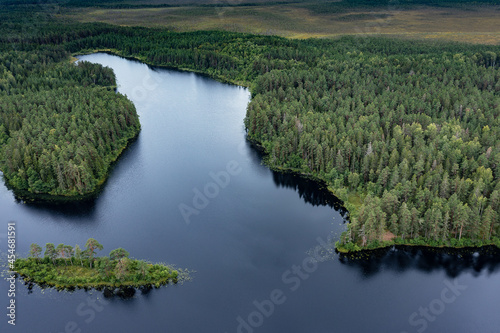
(323, 183)
(118, 53)
(388, 244)
(364, 253)
(27, 196)
(350, 207)
(97, 286)
(396, 242)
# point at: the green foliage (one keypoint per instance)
(50, 252)
(57, 269)
(91, 246)
(410, 127)
(105, 266)
(122, 268)
(118, 254)
(60, 125)
(143, 269)
(35, 251)
(415, 128)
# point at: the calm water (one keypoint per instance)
(249, 239)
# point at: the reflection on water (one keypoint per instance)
(77, 209)
(247, 238)
(405, 258)
(311, 191)
(84, 209)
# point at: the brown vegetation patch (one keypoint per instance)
(388, 236)
(481, 25)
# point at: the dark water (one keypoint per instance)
(249, 240)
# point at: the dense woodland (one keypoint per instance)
(416, 136)
(405, 132)
(61, 125)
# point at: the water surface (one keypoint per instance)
(248, 241)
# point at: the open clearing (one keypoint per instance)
(475, 24)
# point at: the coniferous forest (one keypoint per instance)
(61, 124)
(405, 132)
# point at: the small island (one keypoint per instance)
(65, 268)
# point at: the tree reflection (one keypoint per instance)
(312, 191)
(404, 258)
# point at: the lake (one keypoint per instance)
(191, 191)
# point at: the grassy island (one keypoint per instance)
(65, 267)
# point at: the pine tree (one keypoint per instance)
(405, 220)
(35, 251)
(50, 252)
(91, 246)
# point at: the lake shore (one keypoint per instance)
(418, 242)
(27, 196)
(345, 198)
(350, 200)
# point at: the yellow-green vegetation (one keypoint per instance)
(65, 267)
(470, 22)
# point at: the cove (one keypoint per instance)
(250, 246)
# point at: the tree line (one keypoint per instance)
(416, 137)
(61, 125)
(405, 132)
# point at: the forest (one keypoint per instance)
(61, 125)
(406, 133)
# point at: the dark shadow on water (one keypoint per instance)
(453, 262)
(312, 191)
(70, 210)
(256, 155)
(84, 209)
(121, 293)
